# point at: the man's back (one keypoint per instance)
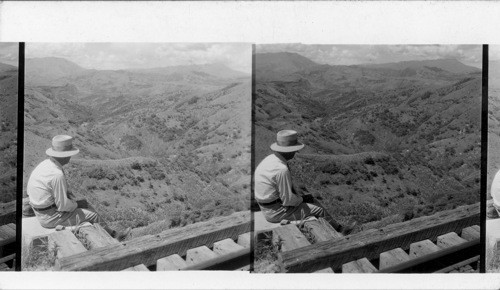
(40, 183)
(266, 189)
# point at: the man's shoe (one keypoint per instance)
(121, 235)
(348, 228)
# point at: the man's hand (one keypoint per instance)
(70, 195)
(82, 203)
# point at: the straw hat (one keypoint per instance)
(287, 141)
(62, 146)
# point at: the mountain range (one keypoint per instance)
(166, 146)
(384, 142)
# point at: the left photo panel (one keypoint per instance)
(9, 72)
(136, 156)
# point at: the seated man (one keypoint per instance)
(495, 192)
(48, 191)
(273, 188)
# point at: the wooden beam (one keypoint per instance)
(322, 231)
(449, 239)
(66, 244)
(392, 258)
(470, 233)
(372, 242)
(231, 261)
(170, 263)
(96, 236)
(199, 255)
(8, 212)
(422, 248)
(148, 249)
(359, 266)
(289, 237)
(7, 258)
(244, 240)
(7, 234)
(226, 246)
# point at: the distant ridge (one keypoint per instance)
(450, 65)
(6, 67)
(283, 62)
(216, 69)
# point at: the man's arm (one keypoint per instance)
(284, 182)
(61, 199)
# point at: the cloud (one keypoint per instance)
(362, 54)
(145, 55)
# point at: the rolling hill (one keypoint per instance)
(385, 143)
(169, 145)
(8, 131)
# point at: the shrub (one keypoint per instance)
(136, 166)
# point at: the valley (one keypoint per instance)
(159, 148)
(385, 143)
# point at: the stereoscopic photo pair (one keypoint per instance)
(263, 158)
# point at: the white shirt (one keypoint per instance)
(495, 189)
(47, 186)
(272, 180)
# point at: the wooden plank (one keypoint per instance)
(244, 240)
(7, 258)
(422, 248)
(392, 258)
(148, 249)
(198, 255)
(449, 240)
(96, 236)
(8, 212)
(140, 267)
(238, 260)
(66, 244)
(359, 266)
(289, 237)
(4, 267)
(326, 270)
(226, 246)
(371, 243)
(470, 233)
(8, 230)
(322, 231)
(170, 263)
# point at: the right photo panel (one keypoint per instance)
(367, 158)
(493, 173)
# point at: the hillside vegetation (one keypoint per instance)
(384, 143)
(8, 132)
(166, 145)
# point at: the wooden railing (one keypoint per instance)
(150, 250)
(370, 244)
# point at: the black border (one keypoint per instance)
(484, 159)
(20, 157)
(252, 163)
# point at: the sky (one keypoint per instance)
(114, 56)
(9, 53)
(364, 54)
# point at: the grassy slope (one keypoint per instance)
(426, 130)
(154, 154)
